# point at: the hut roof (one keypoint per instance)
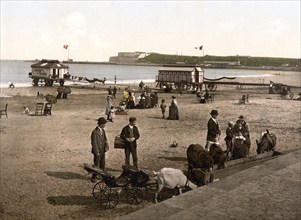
(182, 69)
(47, 64)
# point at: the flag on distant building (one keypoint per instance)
(200, 48)
(65, 46)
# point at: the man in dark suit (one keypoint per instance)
(99, 144)
(213, 132)
(130, 134)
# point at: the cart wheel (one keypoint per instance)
(35, 82)
(134, 196)
(188, 87)
(62, 82)
(211, 86)
(109, 198)
(98, 189)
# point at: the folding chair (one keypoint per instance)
(47, 109)
(39, 109)
(3, 111)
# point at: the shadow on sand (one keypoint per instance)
(66, 175)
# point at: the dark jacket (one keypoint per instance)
(99, 142)
(229, 134)
(125, 133)
(213, 130)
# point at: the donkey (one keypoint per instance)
(266, 143)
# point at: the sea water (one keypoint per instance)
(16, 71)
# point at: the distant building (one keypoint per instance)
(128, 57)
(221, 64)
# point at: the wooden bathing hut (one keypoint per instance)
(181, 77)
(49, 71)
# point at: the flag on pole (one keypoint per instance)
(65, 46)
(200, 48)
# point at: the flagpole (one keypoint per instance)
(68, 55)
(201, 48)
(203, 58)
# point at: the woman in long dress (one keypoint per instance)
(173, 112)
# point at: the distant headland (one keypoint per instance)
(208, 61)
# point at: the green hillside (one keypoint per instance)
(247, 61)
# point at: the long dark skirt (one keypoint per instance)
(173, 113)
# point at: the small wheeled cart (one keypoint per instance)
(135, 182)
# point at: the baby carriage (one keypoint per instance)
(139, 181)
(107, 190)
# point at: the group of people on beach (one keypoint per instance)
(239, 129)
(130, 133)
(99, 141)
(147, 99)
(173, 109)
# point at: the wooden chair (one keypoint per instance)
(47, 109)
(3, 111)
(39, 108)
(244, 99)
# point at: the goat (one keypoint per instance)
(172, 178)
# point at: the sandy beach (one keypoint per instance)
(42, 156)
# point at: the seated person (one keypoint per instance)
(204, 98)
(206, 95)
(26, 110)
(121, 108)
(142, 102)
(244, 99)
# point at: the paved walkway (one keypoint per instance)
(271, 190)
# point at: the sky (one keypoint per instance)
(97, 30)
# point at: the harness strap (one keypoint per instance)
(186, 184)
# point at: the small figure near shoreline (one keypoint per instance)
(11, 85)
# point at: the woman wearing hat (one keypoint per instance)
(213, 132)
(174, 100)
(242, 127)
(99, 144)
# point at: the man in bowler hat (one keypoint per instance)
(213, 132)
(99, 144)
(130, 134)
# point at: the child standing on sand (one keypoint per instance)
(229, 137)
(163, 107)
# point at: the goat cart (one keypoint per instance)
(233, 166)
(136, 184)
